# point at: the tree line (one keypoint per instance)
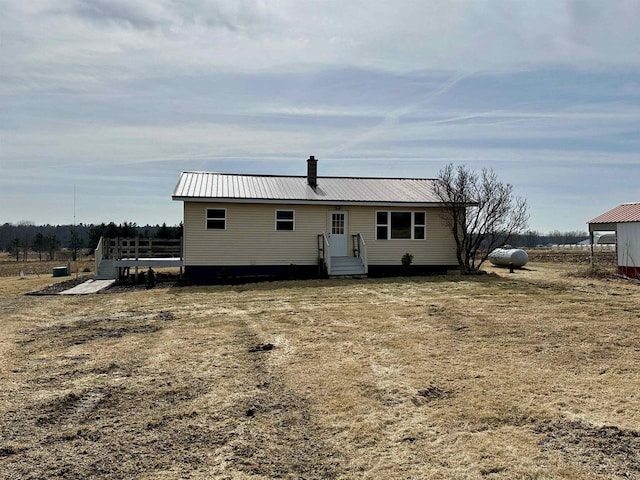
(532, 238)
(47, 240)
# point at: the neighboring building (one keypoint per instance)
(600, 239)
(625, 221)
(240, 225)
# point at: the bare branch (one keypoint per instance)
(481, 212)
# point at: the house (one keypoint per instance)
(305, 226)
(625, 221)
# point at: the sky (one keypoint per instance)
(104, 102)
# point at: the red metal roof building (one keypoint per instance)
(627, 212)
(625, 221)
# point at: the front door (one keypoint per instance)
(339, 233)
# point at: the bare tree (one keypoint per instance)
(14, 248)
(25, 230)
(481, 212)
(75, 243)
(52, 244)
(38, 244)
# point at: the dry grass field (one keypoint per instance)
(10, 268)
(531, 375)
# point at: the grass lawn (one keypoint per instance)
(531, 375)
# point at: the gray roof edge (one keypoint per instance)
(304, 201)
(304, 176)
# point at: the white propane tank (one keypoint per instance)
(506, 255)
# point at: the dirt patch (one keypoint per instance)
(115, 332)
(280, 438)
(8, 450)
(606, 450)
(82, 331)
(163, 280)
(108, 432)
(262, 347)
(431, 393)
(72, 406)
(165, 316)
(57, 288)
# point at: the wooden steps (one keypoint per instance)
(346, 267)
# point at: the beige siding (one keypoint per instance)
(437, 249)
(251, 238)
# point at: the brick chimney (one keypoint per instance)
(312, 172)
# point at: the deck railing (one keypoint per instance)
(324, 252)
(134, 248)
(360, 250)
(99, 253)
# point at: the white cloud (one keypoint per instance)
(90, 44)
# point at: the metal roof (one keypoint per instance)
(209, 186)
(627, 212)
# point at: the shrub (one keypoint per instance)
(407, 258)
(151, 278)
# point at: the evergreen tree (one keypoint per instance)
(38, 244)
(52, 244)
(14, 248)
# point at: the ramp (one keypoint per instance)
(90, 286)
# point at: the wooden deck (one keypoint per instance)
(150, 262)
(116, 256)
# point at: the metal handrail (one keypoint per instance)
(362, 253)
(324, 251)
(356, 245)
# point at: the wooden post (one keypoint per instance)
(118, 250)
(181, 255)
(591, 260)
(136, 252)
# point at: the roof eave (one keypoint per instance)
(602, 227)
(304, 201)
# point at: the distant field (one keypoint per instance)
(604, 258)
(531, 375)
(9, 267)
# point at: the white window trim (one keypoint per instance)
(386, 225)
(413, 225)
(206, 218)
(292, 221)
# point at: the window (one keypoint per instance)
(285, 220)
(419, 225)
(382, 225)
(216, 218)
(400, 225)
(337, 223)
